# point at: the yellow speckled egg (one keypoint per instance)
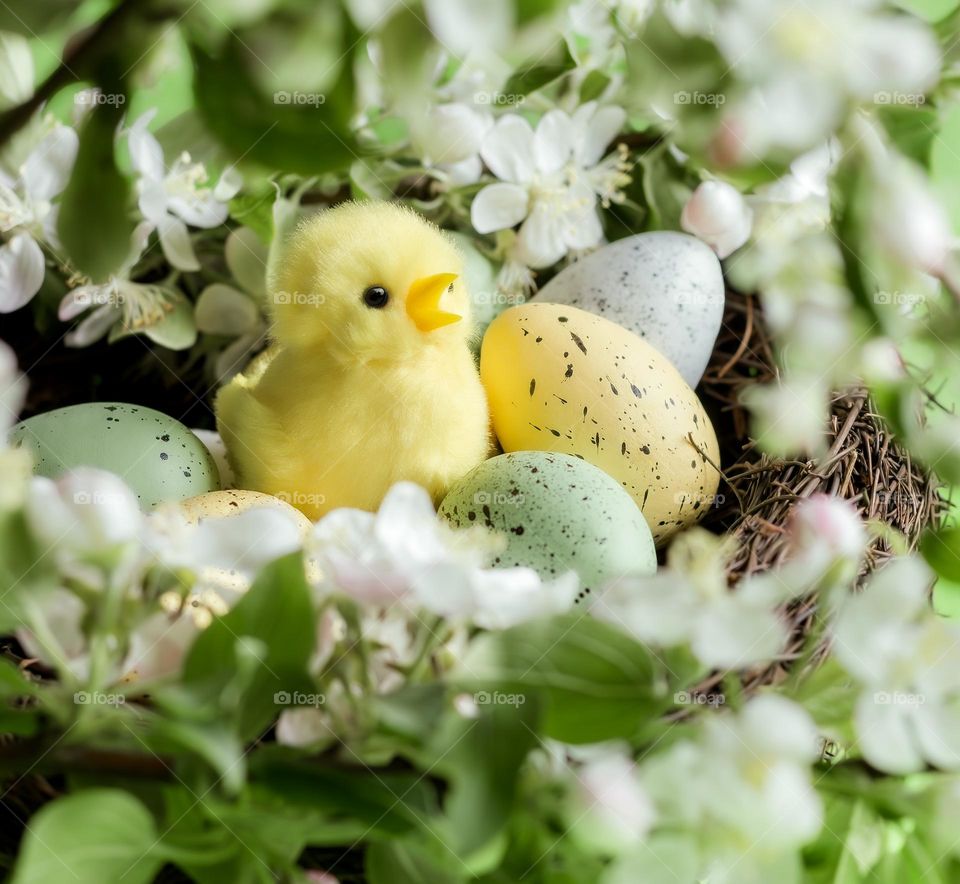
(223, 505)
(220, 504)
(561, 379)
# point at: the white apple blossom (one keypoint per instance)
(718, 214)
(170, 199)
(824, 529)
(405, 554)
(688, 602)
(744, 781)
(551, 179)
(609, 808)
(28, 215)
(908, 218)
(133, 306)
(805, 61)
(85, 515)
(236, 310)
(908, 661)
(448, 140)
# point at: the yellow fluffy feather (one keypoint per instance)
(354, 394)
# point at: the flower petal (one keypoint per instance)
(222, 310)
(203, 209)
(229, 184)
(498, 207)
(246, 257)
(885, 735)
(601, 129)
(553, 142)
(508, 149)
(176, 245)
(93, 327)
(21, 272)
(146, 155)
(47, 170)
(542, 238)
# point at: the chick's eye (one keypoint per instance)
(376, 296)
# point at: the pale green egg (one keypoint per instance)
(157, 456)
(558, 513)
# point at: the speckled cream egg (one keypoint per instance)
(230, 503)
(558, 513)
(157, 456)
(223, 504)
(666, 287)
(560, 379)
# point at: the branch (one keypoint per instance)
(102, 38)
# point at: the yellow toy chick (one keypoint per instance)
(370, 379)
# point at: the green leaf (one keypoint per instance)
(275, 130)
(94, 223)
(595, 682)
(355, 802)
(529, 79)
(593, 86)
(941, 549)
(912, 129)
(481, 757)
(391, 862)
(88, 838)
(931, 10)
(945, 165)
(273, 628)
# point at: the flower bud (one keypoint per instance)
(718, 214)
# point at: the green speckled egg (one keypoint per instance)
(486, 301)
(558, 513)
(157, 456)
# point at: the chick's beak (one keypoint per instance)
(423, 302)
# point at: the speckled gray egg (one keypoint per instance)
(157, 456)
(665, 287)
(558, 513)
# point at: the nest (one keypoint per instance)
(864, 464)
